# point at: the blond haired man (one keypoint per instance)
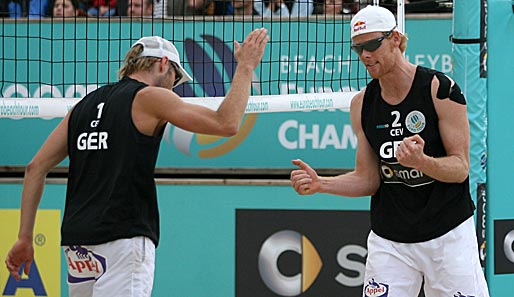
(413, 160)
(110, 227)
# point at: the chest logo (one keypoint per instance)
(415, 121)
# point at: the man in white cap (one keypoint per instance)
(413, 160)
(110, 227)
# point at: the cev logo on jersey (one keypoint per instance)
(83, 264)
(375, 289)
(415, 121)
(210, 146)
(271, 250)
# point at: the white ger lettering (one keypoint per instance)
(388, 149)
(92, 141)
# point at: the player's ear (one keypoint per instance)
(397, 36)
(162, 63)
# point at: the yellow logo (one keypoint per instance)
(44, 278)
(211, 146)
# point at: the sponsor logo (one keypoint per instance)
(208, 146)
(504, 246)
(483, 161)
(375, 289)
(359, 25)
(481, 222)
(273, 247)
(44, 278)
(395, 173)
(459, 294)
(300, 252)
(415, 121)
(83, 264)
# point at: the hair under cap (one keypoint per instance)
(156, 46)
(372, 18)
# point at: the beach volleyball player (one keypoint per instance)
(110, 227)
(413, 160)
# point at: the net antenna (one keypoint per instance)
(400, 15)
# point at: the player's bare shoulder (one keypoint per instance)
(355, 110)
(356, 103)
(158, 97)
(444, 87)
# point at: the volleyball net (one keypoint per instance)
(49, 63)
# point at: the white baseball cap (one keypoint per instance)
(372, 18)
(156, 46)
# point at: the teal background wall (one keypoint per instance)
(196, 255)
(500, 139)
(324, 138)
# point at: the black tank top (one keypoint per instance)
(410, 206)
(111, 191)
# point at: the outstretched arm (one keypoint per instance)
(165, 106)
(362, 181)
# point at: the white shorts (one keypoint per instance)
(449, 266)
(123, 267)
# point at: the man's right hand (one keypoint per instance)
(305, 180)
(251, 51)
(21, 252)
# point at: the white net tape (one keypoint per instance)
(58, 107)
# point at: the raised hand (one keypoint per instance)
(251, 51)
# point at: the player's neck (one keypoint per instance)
(397, 83)
(144, 77)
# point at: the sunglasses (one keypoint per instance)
(370, 45)
(178, 74)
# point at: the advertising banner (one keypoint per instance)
(300, 252)
(207, 232)
(44, 278)
(270, 140)
(504, 247)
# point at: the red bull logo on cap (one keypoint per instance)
(359, 25)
